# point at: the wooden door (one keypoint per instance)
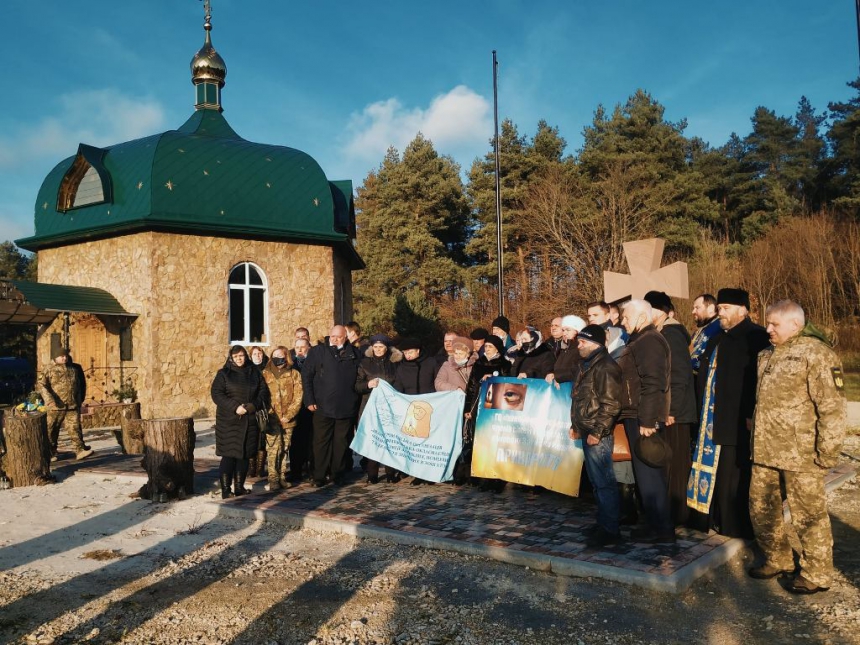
(88, 346)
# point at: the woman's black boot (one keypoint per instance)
(239, 484)
(225, 486)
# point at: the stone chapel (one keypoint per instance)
(160, 253)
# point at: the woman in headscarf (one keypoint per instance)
(454, 373)
(285, 392)
(379, 363)
(238, 392)
(536, 359)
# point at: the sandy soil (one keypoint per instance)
(83, 562)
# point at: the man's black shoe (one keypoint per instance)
(602, 537)
(648, 536)
(319, 483)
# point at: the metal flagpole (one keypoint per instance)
(857, 11)
(499, 250)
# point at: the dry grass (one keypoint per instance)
(102, 554)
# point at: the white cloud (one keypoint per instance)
(96, 117)
(456, 122)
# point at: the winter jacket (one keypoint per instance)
(328, 377)
(285, 392)
(238, 436)
(454, 377)
(567, 364)
(535, 364)
(480, 369)
(682, 400)
(371, 367)
(59, 387)
(800, 414)
(645, 373)
(415, 377)
(596, 395)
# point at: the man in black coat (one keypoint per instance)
(682, 403)
(733, 355)
(645, 369)
(328, 377)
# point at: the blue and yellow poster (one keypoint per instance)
(420, 435)
(521, 435)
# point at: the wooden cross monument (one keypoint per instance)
(643, 260)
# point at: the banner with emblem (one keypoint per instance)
(420, 435)
(521, 435)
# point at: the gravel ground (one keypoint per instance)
(95, 566)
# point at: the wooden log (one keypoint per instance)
(168, 458)
(28, 457)
(130, 437)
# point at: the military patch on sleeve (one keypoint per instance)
(838, 381)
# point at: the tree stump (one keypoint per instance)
(130, 436)
(28, 457)
(168, 458)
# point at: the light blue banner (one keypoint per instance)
(420, 435)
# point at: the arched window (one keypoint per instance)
(249, 305)
(86, 182)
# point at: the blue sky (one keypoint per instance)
(344, 80)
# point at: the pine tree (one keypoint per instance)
(412, 219)
(639, 162)
(844, 166)
(521, 163)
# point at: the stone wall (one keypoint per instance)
(178, 286)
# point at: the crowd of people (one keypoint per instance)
(712, 426)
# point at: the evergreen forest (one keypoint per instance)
(776, 212)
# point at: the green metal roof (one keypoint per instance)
(36, 302)
(202, 179)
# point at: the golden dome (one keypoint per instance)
(207, 64)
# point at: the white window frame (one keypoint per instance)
(246, 300)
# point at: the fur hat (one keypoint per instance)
(737, 297)
(659, 300)
(573, 321)
(479, 333)
(462, 341)
(409, 343)
(496, 342)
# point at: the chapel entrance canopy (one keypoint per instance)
(36, 303)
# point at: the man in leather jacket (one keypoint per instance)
(596, 402)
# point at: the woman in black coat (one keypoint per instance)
(491, 363)
(238, 391)
(378, 364)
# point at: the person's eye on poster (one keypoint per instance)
(506, 396)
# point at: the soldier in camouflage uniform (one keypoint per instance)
(285, 387)
(797, 436)
(59, 388)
